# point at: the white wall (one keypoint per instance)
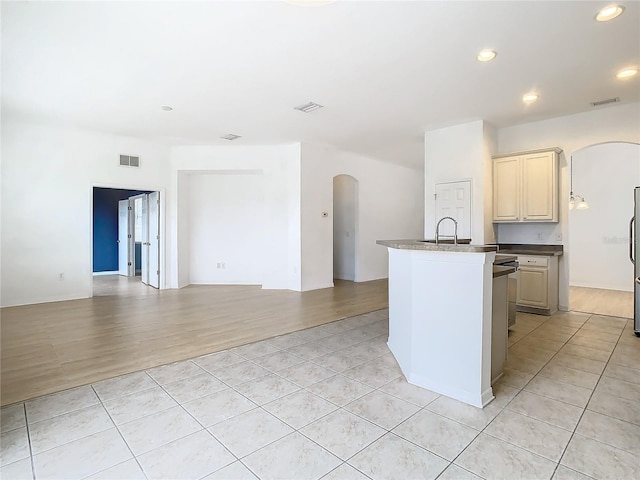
(459, 153)
(571, 133)
(390, 206)
(599, 236)
(279, 241)
(226, 228)
(48, 174)
(345, 208)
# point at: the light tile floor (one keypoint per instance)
(330, 402)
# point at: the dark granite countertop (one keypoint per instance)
(500, 270)
(501, 258)
(530, 249)
(428, 245)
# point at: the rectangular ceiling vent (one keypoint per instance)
(231, 136)
(308, 107)
(129, 161)
(604, 102)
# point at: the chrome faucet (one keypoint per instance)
(455, 230)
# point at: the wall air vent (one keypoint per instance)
(129, 161)
(231, 136)
(308, 107)
(604, 102)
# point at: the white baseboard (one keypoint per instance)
(96, 274)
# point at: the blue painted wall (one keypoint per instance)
(105, 227)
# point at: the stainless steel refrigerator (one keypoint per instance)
(634, 229)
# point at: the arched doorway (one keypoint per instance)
(345, 227)
(600, 272)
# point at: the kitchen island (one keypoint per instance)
(440, 314)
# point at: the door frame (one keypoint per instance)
(356, 225)
(435, 204)
(162, 230)
(129, 239)
(133, 199)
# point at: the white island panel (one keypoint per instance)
(440, 320)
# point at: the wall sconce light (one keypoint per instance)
(576, 201)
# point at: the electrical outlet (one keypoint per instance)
(219, 265)
(539, 236)
(61, 276)
(224, 265)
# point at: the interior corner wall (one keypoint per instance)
(226, 228)
(390, 206)
(279, 167)
(490, 144)
(48, 173)
(458, 153)
(619, 123)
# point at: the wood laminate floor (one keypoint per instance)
(615, 303)
(128, 326)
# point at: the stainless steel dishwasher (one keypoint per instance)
(512, 285)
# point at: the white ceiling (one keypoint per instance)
(385, 71)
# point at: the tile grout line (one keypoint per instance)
(574, 432)
(584, 409)
(305, 388)
(339, 407)
(258, 406)
(206, 429)
(261, 407)
(502, 409)
(26, 422)
(121, 436)
(505, 408)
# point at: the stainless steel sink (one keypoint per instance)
(448, 241)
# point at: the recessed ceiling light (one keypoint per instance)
(530, 97)
(308, 107)
(166, 108)
(486, 55)
(627, 72)
(230, 136)
(609, 12)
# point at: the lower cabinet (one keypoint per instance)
(538, 284)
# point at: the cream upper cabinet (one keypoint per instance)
(506, 189)
(525, 187)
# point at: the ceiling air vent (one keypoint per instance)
(129, 161)
(604, 102)
(231, 136)
(308, 107)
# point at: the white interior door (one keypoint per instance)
(125, 239)
(153, 243)
(453, 199)
(144, 238)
